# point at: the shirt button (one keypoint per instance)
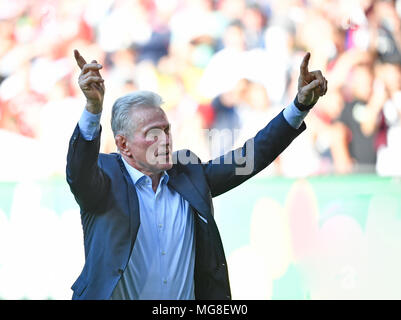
(165, 281)
(163, 253)
(160, 226)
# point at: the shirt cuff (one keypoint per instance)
(89, 125)
(294, 116)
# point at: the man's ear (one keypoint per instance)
(121, 143)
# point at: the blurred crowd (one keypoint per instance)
(221, 66)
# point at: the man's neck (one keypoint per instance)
(154, 176)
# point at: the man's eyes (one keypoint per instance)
(154, 133)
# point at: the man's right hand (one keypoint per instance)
(91, 83)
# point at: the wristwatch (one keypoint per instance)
(301, 106)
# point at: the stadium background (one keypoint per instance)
(322, 222)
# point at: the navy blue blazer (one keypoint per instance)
(110, 215)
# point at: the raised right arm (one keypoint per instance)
(87, 181)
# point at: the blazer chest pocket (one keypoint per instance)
(201, 223)
(204, 220)
(204, 247)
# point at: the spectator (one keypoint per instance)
(360, 115)
(388, 153)
(219, 75)
(254, 21)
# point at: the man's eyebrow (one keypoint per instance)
(168, 126)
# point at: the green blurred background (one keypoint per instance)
(324, 237)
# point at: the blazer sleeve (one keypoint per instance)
(233, 168)
(88, 182)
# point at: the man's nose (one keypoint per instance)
(165, 138)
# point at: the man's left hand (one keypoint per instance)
(311, 85)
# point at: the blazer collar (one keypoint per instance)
(137, 176)
(180, 182)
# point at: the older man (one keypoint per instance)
(147, 214)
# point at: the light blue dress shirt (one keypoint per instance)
(163, 258)
(294, 116)
(162, 262)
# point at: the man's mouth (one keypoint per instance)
(162, 154)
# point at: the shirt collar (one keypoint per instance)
(138, 177)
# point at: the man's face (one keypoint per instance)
(150, 144)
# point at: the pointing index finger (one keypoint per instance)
(304, 64)
(80, 60)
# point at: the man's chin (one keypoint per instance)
(166, 166)
(165, 162)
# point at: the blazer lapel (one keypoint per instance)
(183, 185)
(133, 202)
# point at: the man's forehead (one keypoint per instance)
(147, 117)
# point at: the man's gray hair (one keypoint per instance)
(121, 117)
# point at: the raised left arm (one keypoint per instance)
(235, 167)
